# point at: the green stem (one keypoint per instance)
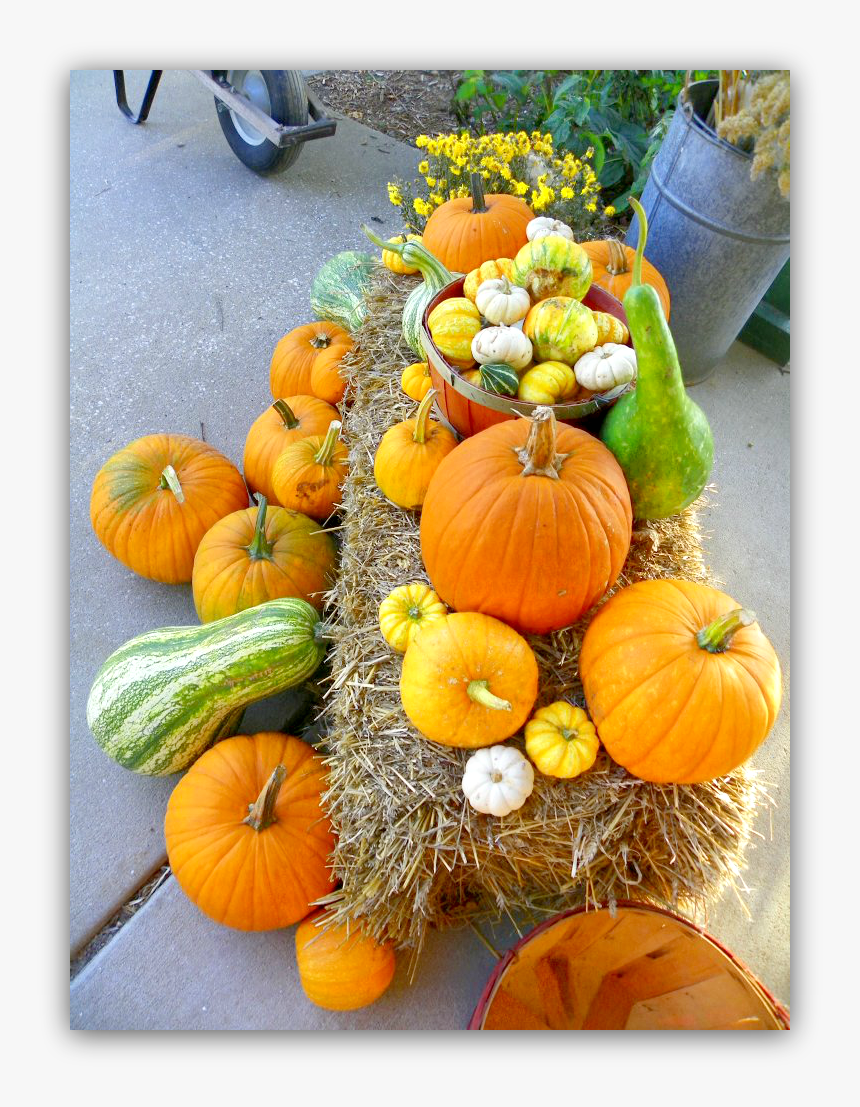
(420, 435)
(640, 245)
(262, 813)
(325, 453)
(414, 254)
(286, 413)
(260, 549)
(478, 203)
(717, 636)
(170, 480)
(479, 692)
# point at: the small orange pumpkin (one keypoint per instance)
(286, 421)
(612, 269)
(465, 232)
(313, 346)
(468, 680)
(261, 554)
(308, 474)
(416, 381)
(681, 683)
(342, 967)
(247, 837)
(153, 501)
(409, 454)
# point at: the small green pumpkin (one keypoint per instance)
(496, 377)
(339, 288)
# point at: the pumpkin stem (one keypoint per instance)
(260, 548)
(286, 413)
(170, 480)
(414, 254)
(478, 203)
(617, 263)
(421, 420)
(262, 813)
(640, 245)
(320, 340)
(538, 456)
(325, 453)
(717, 636)
(479, 691)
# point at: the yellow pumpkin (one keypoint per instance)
(548, 382)
(609, 328)
(560, 329)
(416, 381)
(406, 610)
(394, 261)
(409, 454)
(488, 271)
(453, 324)
(561, 740)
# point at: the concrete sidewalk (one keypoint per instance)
(186, 268)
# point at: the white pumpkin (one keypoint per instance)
(606, 367)
(542, 225)
(498, 780)
(501, 302)
(507, 344)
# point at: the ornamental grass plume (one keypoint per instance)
(765, 120)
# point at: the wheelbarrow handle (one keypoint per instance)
(148, 96)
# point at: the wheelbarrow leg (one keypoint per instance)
(148, 96)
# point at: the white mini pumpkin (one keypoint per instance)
(501, 302)
(542, 225)
(507, 344)
(498, 780)
(606, 367)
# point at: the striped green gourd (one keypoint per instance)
(436, 276)
(500, 378)
(338, 290)
(165, 696)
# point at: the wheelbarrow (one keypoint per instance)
(263, 112)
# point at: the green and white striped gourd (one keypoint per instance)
(165, 696)
(498, 377)
(338, 290)
(436, 276)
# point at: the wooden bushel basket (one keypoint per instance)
(642, 969)
(469, 409)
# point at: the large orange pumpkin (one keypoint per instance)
(286, 421)
(153, 501)
(528, 521)
(612, 269)
(313, 347)
(470, 230)
(246, 835)
(681, 683)
(342, 967)
(261, 554)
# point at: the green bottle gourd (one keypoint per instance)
(661, 439)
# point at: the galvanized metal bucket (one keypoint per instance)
(718, 238)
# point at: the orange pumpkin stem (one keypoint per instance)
(717, 636)
(325, 453)
(538, 456)
(617, 263)
(286, 413)
(421, 420)
(479, 692)
(170, 480)
(478, 203)
(260, 549)
(262, 813)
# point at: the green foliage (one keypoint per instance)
(620, 113)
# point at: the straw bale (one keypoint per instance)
(411, 853)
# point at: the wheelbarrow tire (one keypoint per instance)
(288, 105)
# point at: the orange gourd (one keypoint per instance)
(247, 838)
(308, 474)
(468, 680)
(416, 381)
(465, 232)
(313, 347)
(285, 421)
(342, 967)
(612, 269)
(153, 501)
(529, 521)
(409, 454)
(680, 682)
(261, 554)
